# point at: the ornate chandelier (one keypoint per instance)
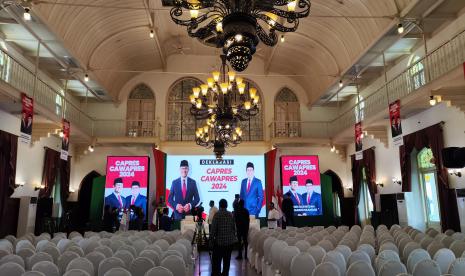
(220, 105)
(238, 25)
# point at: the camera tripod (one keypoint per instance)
(200, 240)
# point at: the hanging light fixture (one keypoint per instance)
(27, 14)
(237, 26)
(220, 105)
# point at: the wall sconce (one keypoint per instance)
(71, 190)
(19, 184)
(397, 181)
(455, 172)
(380, 185)
(350, 189)
(39, 187)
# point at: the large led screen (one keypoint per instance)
(126, 184)
(191, 180)
(300, 176)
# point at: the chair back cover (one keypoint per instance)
(427, 267)
(47, 268)
(318, 253)
(117, 271)
(326, 269)
(302, 264)
(159, 271)
(95, 258)
(81, 263)
(457, 267)
(337, 259)
(76, 272)
(108, 264)
(415, 257)
(12, 259)
(444, 257)
(175, 264)
(140, 266)
(392, 268)
(11, 269)
(360, 268)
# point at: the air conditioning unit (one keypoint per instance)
(461, 207)
(402, 209)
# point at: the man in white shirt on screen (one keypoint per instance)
(273, 217)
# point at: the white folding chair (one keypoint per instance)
(444, 257)
(46, 267)
(105, 250)
(81, 263)
(415, 257)
(175, 264)
(163, 244)
(63, 244)
(34, 273)
(285, 259)
(11, 269)
(65, 259)
(130, 249)
(317, 252)
(22, 244)
(12, 259)
(303, 245)
(140, 266)
(108, 264)
(76, 272)
(427, 267)
(52, 251)
(326, 269)
(392, 268)
(125, 256)
(326, 245)
(369, 249)
(159, 271)
(457, 267)
(409, 247)
(302, 264)
(360, 268)
(95, 258)
(385, 256)
(38, 257)
(344, 250)
(117, 271)
(76, 249)
(337, 259)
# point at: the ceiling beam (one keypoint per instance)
(6, 20)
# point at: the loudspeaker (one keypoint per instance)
(453, 157)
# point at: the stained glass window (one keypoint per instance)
(426, 159)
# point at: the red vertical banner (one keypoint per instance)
(27, 115)
(270, 159)
(358, 141)
(396, 124)
(65, 139)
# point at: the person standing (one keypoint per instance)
(184, 195)
(288, 211)
(252, 191)
(211, 214)
(165, 221)
(237, 198)
(223, 238)
(273, 217)
(242, 218)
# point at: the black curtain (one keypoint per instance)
(336, 183)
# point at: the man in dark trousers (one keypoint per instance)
(184, 195)
(241, 216)
(165, 221)
(288, 211)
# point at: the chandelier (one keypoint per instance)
(220, 105)
(237, 26)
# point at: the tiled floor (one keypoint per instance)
(238, 267)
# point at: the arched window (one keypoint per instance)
(416, 72)
(140, 113)
(181, 124)
(252, 128)
(365, 205)
(428, 183)
(287, 114)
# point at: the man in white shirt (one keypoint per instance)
(273, 217)
(211, 214)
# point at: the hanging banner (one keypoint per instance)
(358, 141)
(396, 125)
(65, 140)
(26, 118)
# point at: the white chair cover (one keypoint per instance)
(326, 269)
(415, 257)
(267, 248)
(360, 268)
(42, 244)
(151, 255)
(385, 256)
(409, 247)
(95, 258)
(33, 273)
(181, 249)
(175, 264)
(389, 246)
(392, 268)
(326, 245)
(12, 259)
(81, 263)
(117, 271)
(76, 272)
(276, 253)
(303, 245)
(344, 250)
(369, 249)
(140, 266)
(358, 255)
(65, 259)
(163, 244)
(11, 269)
(427, 267)
(139, 245)
(108, 264)
(130, 249)
(457, 267)
(285, 259)
(458, 247)
(52, 251)
(105, 250)
(125, 256)
(302, 264)
(318, 253)
(25, 253)
(155, 248)
(47, 268)
(337, 259)
(76, 249)
(159, 271)
(434, 247)
(38, 257)
(64, 244)
(22, 244)
(444, 257)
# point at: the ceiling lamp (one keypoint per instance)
(219, 106)
(237, 26)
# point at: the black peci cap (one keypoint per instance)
(117, 180)
(249, 165)
(309, 181)
(135, 183)
(184, 163)
(293, 178)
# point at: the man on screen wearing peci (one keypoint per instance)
(115, 199)
(312, 199)
(136, 199)
(292, 193)
(252, 191)
(184, 194)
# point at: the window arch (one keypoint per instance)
(181, 125)
(428, 182)
(416, 72)
(140, 114)
(287, 114)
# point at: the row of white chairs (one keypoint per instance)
(99, 254)
(356, 251)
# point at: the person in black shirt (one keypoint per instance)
(107, 219)
(165, 221)
(242, 219)
(288, 211)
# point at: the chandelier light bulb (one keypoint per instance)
(291, 6)
(152, 34)
(231, 75)
(239, 80)
(210, 82)
(205, 129)
(234, 110)
(238, 37)
(432, 101)
(247, 105)
(204, 88)
(219, 27)
(192, 98)
(199, 103)
(252, 92)
(341, 84)
(241, 88)
(27, 14)
(400, 28)
(194, 13)
(224, 87)
(86, 78)
(61, 134)
(91, 148)
(216, 76)
(333, 148)
(196, 91)
(282, 39)
(238, 130)
(256, 99)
